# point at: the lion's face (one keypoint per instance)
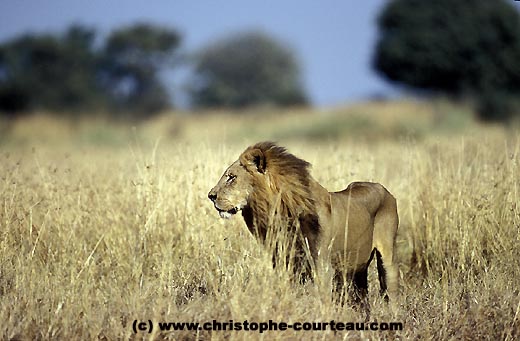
(232, 191)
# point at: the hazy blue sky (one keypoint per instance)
(333, 39)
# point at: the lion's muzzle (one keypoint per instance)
(226, 214)
(212, 195)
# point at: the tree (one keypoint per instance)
(133, 57)
(461, 48)
(49, 72)
(246, 70)
(68, 73)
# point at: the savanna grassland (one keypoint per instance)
(105, 223)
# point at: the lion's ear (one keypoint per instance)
(253, 160)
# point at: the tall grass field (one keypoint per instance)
(105, 228)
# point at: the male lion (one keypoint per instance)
(346, 228)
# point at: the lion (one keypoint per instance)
(346, 228)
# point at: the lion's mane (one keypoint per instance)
(283, 195)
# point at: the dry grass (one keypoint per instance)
(97, 234)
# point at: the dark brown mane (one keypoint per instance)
(281, 163)
(282, 194)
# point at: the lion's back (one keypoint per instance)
(367, 194)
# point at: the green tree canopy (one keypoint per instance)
(461, 48)
(247, 69)
(51, 72)
(67, 72)
(133, 57)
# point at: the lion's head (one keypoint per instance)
(265, 179)
(232, 191)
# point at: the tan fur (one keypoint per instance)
(346, 228)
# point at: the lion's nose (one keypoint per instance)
(212, 195)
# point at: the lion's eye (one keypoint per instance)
(230, 178)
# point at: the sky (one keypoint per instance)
(333, 39)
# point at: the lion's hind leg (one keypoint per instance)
(360, 283)
(359, 286)
(354, 284)
(387, 274)
(385, 231)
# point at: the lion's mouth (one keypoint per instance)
(226, 214)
